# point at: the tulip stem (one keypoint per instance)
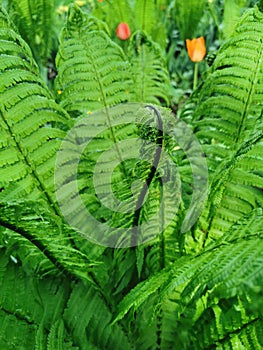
(195, 76)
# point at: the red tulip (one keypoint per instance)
(123, 31)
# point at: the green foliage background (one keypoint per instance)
(199, 289)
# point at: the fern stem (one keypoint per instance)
(162, 240)
(236, 331)
(159, 329)
(148, 181)
(17, 315)
(41, 246)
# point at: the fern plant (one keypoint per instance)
(168, 284)
(233, 112)
(35, 21)
(90, 66)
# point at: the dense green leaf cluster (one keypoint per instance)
(168, 284)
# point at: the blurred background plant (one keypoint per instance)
(168, 23)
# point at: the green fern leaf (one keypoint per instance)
(28, 143)
(89, 319)
(229, 115)
(28, 307)
(93, 72)
(230, 96)
(207, 287)
(24, 219)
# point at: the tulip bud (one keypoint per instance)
(196, 49)
(123, 31)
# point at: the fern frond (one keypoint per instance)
(28, 307)
(222, 194)
(15, 332)
(56, 338)
(27, 114)
(150, 18)
(231, 326)
(49, 329)
(89, 318)
(102, 137)
(44, 233)
(230, 98)
(237, 264)
(228, 117)
(93, 72)
(111, 185)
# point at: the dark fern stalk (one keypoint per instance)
(148, 181)
(40, 245)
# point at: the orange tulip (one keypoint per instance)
(123, 31)
(196, 49)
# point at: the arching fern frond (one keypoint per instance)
(31, 237)
(229, 114)
(92, 165)
(53, 311)
(246, 333)
(88, 317)
(33, 227)
(230, 100)
(228, 176)
(27, 115)
(93, 72)
(199, 293)
(30, 309)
